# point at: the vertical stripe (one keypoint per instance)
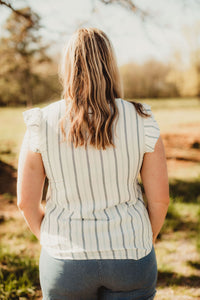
(49, 164)
(58, 229)
(132, 218)
(61, 163)
(49, 232)
(125, 132)
(70, 233)
(145, 213)
(122, 232)
(79, 197)
(51, 177)
(134, 234)
(116, 170)
(138, 142)
(137, 173)
(105, 194)
(126, 142)
(116, 177)
(129, 163)
(93, 199)
(141, 224)
(117, 184)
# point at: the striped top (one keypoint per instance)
(94, 204)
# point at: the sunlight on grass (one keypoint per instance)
(18, 276)
(12, 129)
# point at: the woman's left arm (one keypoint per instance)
(30, 184)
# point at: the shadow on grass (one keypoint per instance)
(7, 178)
(194, 264)
(185, 191)
(176, 222)
(168, 278)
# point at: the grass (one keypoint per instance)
(12, 130)
(183, 217)
(19, 258)
(18, 276)
(172, 112)
(172, 103)
(178, 244)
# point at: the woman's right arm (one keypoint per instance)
(155, 181)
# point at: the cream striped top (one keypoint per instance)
(94, 205)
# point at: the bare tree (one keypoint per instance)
(20, 13)
(147, 14)
(130, 5)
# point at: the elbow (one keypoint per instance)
(20, 205)
(168, 201)
(168, 198)
(20, 202)
(165, 198)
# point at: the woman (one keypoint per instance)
(96, 234)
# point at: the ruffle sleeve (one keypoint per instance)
(151, 130)
(33, 121)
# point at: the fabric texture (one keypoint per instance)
(33, 119)
(151, 130)
(94, 205)
(104, 279)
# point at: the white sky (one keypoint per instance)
(133, 40)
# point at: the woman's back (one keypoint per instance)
(96, 233)
(94, 205)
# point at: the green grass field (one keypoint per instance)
(178, 245)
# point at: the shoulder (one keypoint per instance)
(53, 107)
(129, 105)
(151, 129)
(124, 103)
(146, 107)
(35, 116)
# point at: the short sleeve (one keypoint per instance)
(33, 120)
(151, 130)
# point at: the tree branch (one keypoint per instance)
(128, 4)
(16, 11)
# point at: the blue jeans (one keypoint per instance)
(102, 279)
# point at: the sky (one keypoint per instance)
(158, 37)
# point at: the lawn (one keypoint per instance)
(178, 245)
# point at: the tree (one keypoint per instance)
(21, 50)
(147, 80)
(187, 76)
(21, 13)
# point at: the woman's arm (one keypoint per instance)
(155, 180)
(30, 183)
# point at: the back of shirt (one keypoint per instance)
(94, 207)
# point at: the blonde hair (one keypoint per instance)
(91, 82)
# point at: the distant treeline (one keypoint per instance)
(154, 79)
(149, 80)
(28, 75)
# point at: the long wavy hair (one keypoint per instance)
(91, 82)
